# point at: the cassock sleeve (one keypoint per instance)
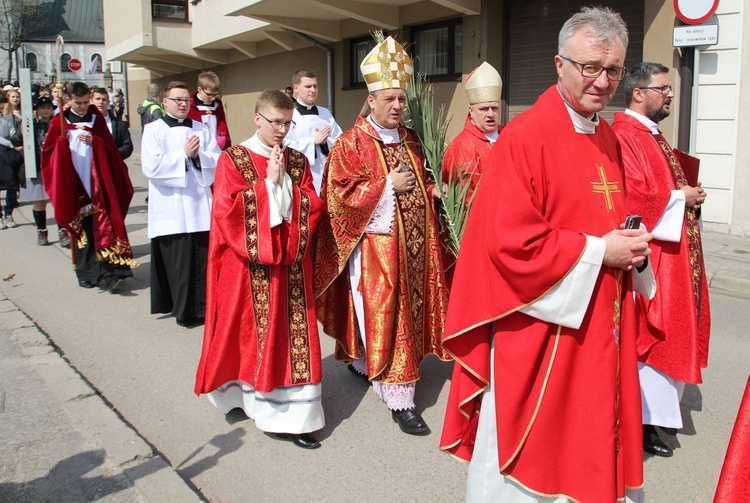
(335, 132)
(566, 303)
(669, 226)
(163, 159)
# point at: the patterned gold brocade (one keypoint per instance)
(403, 283)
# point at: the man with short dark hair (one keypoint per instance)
(151, 108)
(261, 349)
(119, 130)
(314, 130)
(674, 326)
(178, 156)
(544, 399)
(90, 190)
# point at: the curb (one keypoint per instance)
(151, 476)
(729, 284)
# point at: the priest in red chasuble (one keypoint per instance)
(90, 189)
(466, 155)
(379, 281)
(544, 399)
(261, 350)
(674, 326)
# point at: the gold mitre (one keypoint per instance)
(387, 66)
(483, 84)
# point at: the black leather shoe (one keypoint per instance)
(653, 444)
(354, 371)
(85, 284)
(299, 439)
(410, 422)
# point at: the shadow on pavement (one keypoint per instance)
(221, 444)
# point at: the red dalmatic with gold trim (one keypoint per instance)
(674, 326)
(260, 314)
(403, 283)
(568, 408)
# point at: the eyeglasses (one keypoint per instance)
(665, 90)
(278, 125)
(210, 95)
(179, 101)
(591, 71)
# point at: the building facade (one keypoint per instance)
(255, 45)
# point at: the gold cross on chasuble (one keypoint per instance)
(604, 186)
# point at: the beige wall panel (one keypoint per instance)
(715, 137)
(741, 180)
(714, 172)
(717, 206)
(729, 6)
(719, 67)
(729, 31)
(125, 20)
(717, 102)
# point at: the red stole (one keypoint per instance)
(260, 316)
(111, 190)
(556, 388)
(674, 326)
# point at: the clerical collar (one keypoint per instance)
(200, 103)
(651, 125)
(74, 118)
(491, 137)
(387, 135)
(257, 146)
(581, 123)
(173, 121)
(302, 105)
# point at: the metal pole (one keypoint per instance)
(694, 103)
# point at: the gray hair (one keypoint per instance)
(601, 22)
(153, 90)
(640, 76)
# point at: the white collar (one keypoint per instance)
(387, 135)
(256, 146)
(653, 126)
(581, 124)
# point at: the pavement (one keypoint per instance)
(62, 439)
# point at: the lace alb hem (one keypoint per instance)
(382, 220)
(396, 396)
(361, 364)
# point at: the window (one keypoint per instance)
(64, 60)
(169, 10)
(358, 49)
(438, 48)
(96, 64)
(31, 62)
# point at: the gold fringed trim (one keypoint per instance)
(82, 241)
(119, 254)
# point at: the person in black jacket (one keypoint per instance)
(116, 126)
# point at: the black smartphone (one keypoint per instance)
(633, 222)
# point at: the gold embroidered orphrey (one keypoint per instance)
(260, 275)
(604, 186)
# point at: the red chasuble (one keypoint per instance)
(111, 189)
(568, 401)
(260, 314)
(465, 157)
(403, 284)
(222, 130)
(674, 326)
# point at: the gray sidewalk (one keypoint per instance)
(61, 439)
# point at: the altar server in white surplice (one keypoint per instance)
(178, 156)
(314, 130)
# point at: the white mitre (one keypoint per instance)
(483, 84)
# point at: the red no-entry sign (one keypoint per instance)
(695, 11)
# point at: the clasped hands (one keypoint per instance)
(276, 171)
(192, 146)
(626, 248)
(694, 196)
